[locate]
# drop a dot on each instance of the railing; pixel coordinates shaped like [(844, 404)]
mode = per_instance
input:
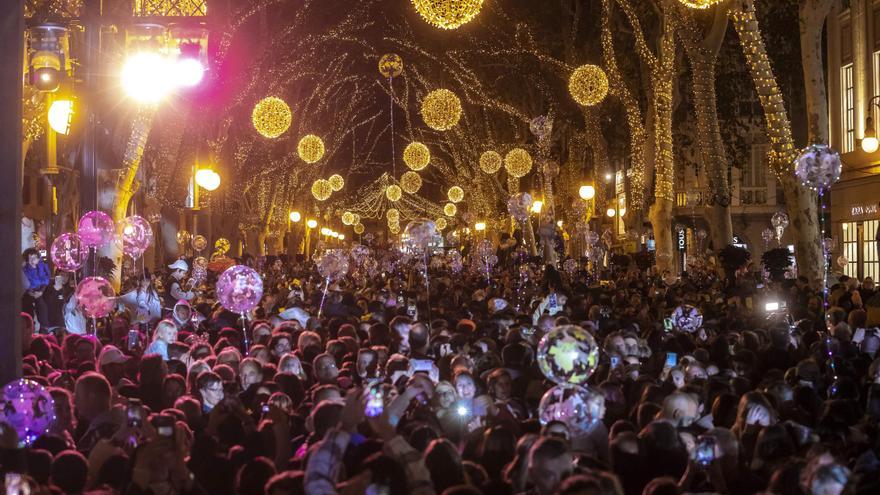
[(753, 196)]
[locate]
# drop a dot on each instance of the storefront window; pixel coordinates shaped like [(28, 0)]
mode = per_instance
[(851, 248), (871, 266)]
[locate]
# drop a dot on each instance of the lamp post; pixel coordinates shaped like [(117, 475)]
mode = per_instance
[(294, 217), (311, 224), (870, 143)]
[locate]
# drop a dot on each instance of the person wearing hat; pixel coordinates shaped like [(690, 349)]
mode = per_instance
[(173, 289), (111, 364)]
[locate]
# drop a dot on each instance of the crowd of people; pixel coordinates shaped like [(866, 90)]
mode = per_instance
[(392, 381)]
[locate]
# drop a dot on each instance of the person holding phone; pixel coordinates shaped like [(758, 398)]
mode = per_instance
[(36, 279)]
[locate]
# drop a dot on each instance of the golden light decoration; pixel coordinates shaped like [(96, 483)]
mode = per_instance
[(455, 194), (359, 228), (700, 4), (321, 189), (410, 182), (348, 218), (390, 65), (441, 109), (448, 14), (416, 155), (392, 215), (490, 162), (450, 209), (588, 85), (336, 182), (393, 192), (518, 162), (394, 229), (356, 218), (271, 117), (440, 223), (310, 148)]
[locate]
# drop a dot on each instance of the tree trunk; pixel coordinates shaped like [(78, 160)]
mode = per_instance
[(812, 15), (664, 171), (800, 201)]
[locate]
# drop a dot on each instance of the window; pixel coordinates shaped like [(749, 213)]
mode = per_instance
[(871, 263), (848, 108), (754, 178), (851, 248)]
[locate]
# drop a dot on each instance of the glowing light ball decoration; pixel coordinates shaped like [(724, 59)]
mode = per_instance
[(455, 194), (579, 408), (68, 252), (420, 232), (199, 243), (321, 190), (136, 235), (441, 110), (568, 355), (96, 229), (441, 223), (28, 408), (416, 155), (239, 288), (390, 65), (519, 205), (336, 182), (359, 229), (700, 4), (348, 218), (588, 85), (450, 209), (392, 215), (221, 245), (394, 229), (518, 162), (490, 162), (95, 297), (448, 14), (310, 148), (687, 318), (410, 182), (333, 265), (393, 192), (271, 117), (818, 167)]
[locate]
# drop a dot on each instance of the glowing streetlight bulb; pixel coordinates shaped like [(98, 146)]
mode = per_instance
[(611, 212), (188, 72), (312, 223), (341, 237), (608, 176), (559, 223), (146, 77), (60, 115), (295, 216), (325, 231), (587, 192), (537, 206), (870, 144), (207, 179), (480, 226)]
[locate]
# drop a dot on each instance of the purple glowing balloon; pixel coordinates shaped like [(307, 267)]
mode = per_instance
[(518, 206), (96, 229), (333, 265), (95, 297), (136, 234), (239, 288), (68, 252), (27, 407)]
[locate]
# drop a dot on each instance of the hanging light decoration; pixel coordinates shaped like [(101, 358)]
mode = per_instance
[(450, 209), (700, 4), (440, 223), (393, 192), (271, 117), (455, 194), (394, 229), (416, 155), (392, 215), (448, 14), (490, 162), (348, 218), (310, 148), (321, 190), (390, 65), (588, 85), (359, 228), (356, 218), (518, 162), (336, 182), (441, 109), (410, 182)]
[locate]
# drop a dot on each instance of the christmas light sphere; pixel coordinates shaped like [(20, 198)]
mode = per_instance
[(440, 223), (455, 194), (588, 85), (448, 14), (199, 242), (568, 355), (221, 245), (818, 167), (271, 117), (490, 162), (390, 65), (321, 190), (394, 229), (410, 182), (416, 155), (348, 218), (336, 182), (450, 209), (441, 110), (393, 192), (392, 215), (579, 408), (310, 148), (518, 162), (700, 4), (359, 229)]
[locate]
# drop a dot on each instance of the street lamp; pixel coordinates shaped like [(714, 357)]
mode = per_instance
[(295, 217), (537, 205), (60, 115), (312, 223), (611, 212), (587, 192), (480, 226), (207, 179)]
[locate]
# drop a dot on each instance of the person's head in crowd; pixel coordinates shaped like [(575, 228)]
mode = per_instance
[(91, 397), (279, 345), (325, 369), (550, 462), (209, 389), (250, 372), (680, 409)]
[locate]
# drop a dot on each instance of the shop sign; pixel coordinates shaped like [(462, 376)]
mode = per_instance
[(868, 209)]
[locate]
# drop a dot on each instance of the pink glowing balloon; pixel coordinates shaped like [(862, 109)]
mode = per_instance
[(239, 288), (95, 297), (96, 229), (68, 252), (136, 234)]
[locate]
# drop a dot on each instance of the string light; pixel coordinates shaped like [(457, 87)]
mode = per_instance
[(490, 162), (700, 4), (441, 109), (588, 85), (518, 162), (416, 155), (310, 148), (393, 192), (321, 190), (450, 209), (410, 182), (336, 182), (271, 117), (455, 194), (448, 14)]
